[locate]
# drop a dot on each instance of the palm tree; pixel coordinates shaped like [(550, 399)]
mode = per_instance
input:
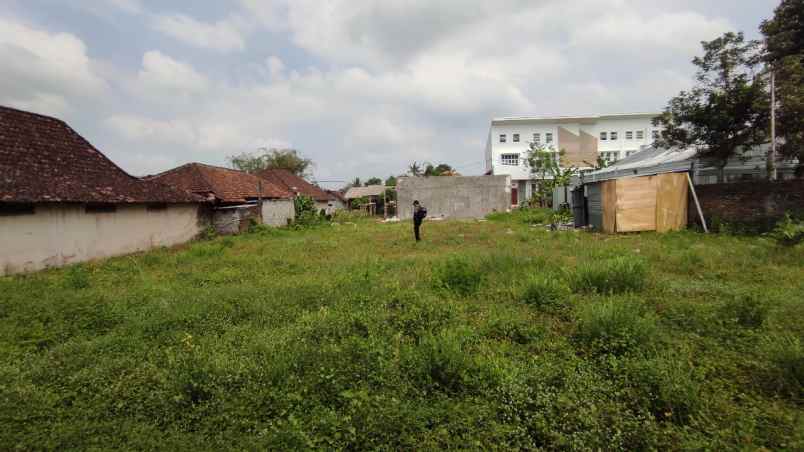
[(415, 169)]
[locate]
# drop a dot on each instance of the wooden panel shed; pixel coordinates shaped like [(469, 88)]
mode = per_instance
[(647, 192)]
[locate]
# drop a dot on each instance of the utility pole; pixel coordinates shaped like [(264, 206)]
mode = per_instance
[(772, 156)]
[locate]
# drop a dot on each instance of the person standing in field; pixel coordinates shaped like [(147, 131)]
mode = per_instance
[(419, 212)]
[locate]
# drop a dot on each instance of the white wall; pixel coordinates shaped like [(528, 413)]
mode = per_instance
[(276, 212), (61, 234)]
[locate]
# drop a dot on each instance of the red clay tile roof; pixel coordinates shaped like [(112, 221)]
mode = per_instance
[(43, 160), (227, 185), (294, 184)]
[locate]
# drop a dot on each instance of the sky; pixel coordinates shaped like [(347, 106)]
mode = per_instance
[(362, 87)]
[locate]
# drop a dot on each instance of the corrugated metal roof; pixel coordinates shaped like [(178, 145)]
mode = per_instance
[(360, 192), (646, 162)]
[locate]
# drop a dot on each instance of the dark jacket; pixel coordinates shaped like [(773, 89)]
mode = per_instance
[(418, 214)]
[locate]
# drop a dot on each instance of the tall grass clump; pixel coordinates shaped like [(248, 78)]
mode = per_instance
[(615, 327), (611, 276), (786, 373), (546, 292), (748, 311), (669, 385), (459, 275), (77, 277)]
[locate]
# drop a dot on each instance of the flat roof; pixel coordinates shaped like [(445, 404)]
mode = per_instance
[(569, 119)]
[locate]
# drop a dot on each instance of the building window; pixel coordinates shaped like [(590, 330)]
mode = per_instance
[(629, 135), (537, 138), (655, 134), (510, 159), (100, 208), (613, 136), (610, 156), (604, 136), (8, 209), (502, 138), (640, 134), (516, 138), (548, 138)]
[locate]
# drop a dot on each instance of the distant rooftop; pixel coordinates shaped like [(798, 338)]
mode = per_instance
[(566, 119)]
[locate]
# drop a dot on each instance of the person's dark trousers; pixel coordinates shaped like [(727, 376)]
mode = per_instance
[(416, 226)]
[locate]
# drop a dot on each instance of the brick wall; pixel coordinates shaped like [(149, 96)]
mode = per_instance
[(755, 205)]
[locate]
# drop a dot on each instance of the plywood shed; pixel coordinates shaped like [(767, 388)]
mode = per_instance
[(647, 192)]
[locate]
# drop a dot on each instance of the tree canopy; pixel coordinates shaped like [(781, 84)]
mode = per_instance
[(727, 108), (784, 39), (288, 159)]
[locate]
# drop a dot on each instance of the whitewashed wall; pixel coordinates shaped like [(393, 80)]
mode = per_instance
[(61, 234)]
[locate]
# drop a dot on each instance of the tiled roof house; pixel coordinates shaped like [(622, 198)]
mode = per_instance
[(223, 185), (294, 184), (63, 201)]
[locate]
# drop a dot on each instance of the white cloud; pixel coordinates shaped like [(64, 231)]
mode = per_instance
[(224, 35), (43, 70), (162, 76)]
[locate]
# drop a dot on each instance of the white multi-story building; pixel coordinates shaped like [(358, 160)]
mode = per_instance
[(582, 138)]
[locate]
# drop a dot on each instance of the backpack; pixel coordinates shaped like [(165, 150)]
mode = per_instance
[(423, 212)]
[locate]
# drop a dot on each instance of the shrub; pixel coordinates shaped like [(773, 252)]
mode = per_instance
[(306, 213), (611, 276), (458, 275), (615, 327), (546, 292), (77, 277), (523, 215), (443, 363), (788, 232)]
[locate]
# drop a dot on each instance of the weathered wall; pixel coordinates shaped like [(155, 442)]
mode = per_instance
[(454, 196), (757, 204), (277, 212), (61, 234), (234, 219)]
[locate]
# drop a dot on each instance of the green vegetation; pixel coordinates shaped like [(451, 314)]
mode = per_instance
[(493, 335)]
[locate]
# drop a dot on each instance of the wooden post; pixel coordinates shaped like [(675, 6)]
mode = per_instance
[(259, 198), (697, 204)]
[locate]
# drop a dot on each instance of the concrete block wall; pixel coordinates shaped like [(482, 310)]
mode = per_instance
[(454, 196)]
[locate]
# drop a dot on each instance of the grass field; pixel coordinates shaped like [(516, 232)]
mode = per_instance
[(491, 335)]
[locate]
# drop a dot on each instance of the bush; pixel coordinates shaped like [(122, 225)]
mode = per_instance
[(547, 293), (443, 363), (788, 232), (611, 276), (458, 275), (615, 327), (523, 215), (306, 213)]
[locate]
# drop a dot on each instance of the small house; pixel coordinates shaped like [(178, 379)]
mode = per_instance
[(298, 186), (62, 201), (238, 198), (374, 196)]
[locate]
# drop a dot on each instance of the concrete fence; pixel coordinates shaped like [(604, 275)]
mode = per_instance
[(454, 196)]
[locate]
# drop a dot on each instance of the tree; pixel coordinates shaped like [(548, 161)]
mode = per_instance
[(288, 159), (391, 181), (728, 107), (415, 169), (545, 166), (441, 169), (784, 39), (373, 181)]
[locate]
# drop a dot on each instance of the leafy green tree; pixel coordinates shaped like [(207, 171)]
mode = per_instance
[(728, 108), (439, 170), (391, 181), (373, 181), (545, 166), (784, 40), (288, 159)]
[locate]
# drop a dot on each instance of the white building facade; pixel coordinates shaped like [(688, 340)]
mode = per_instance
[(582, 138)]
